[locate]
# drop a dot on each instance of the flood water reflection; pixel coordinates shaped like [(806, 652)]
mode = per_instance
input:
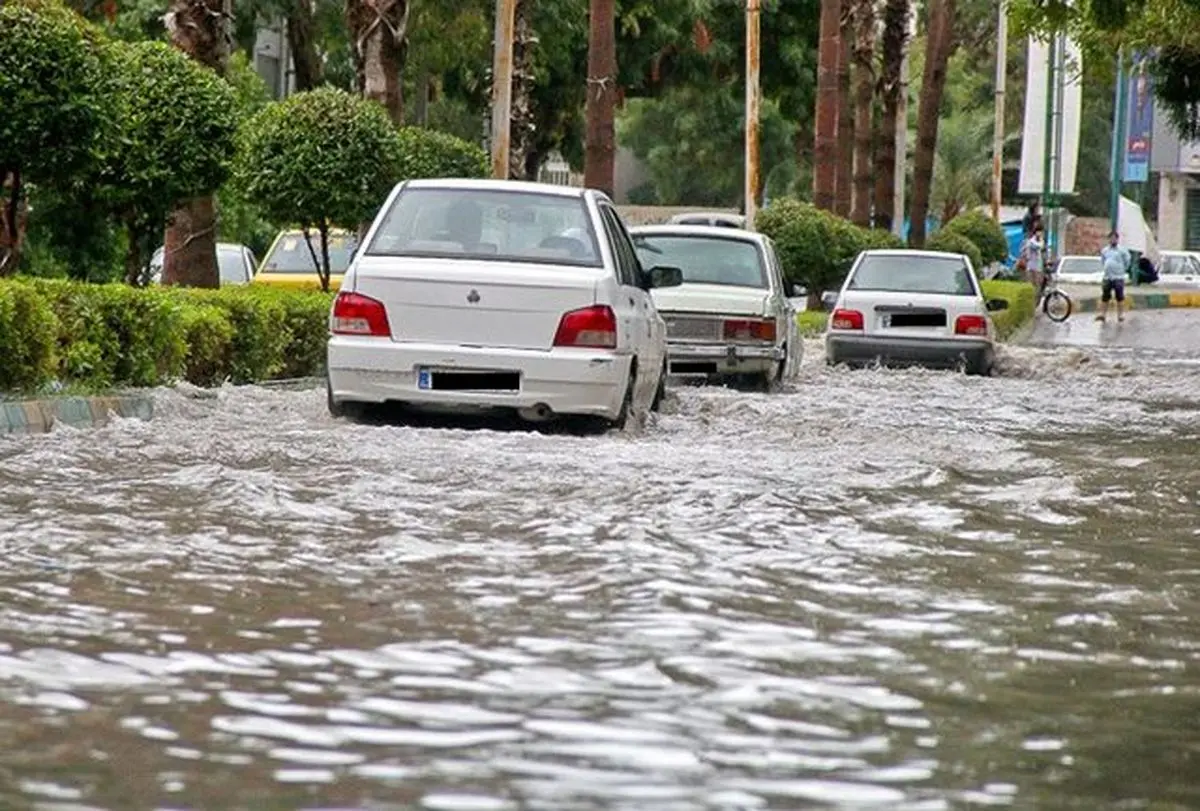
[(897, 589)]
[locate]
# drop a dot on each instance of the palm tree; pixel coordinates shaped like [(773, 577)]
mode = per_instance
[(864, 100), (601, 138), (962, 169), (894, 42), (940, 43), (378, 41), (825, 150), (845, 134)]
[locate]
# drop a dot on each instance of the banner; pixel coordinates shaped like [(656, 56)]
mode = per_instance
[(1069, 89), (1139, 122)]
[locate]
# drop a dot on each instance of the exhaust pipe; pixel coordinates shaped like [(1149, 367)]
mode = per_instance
[(538, 413)]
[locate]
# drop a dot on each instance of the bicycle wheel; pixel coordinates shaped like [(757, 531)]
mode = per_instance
[(1057, 306)]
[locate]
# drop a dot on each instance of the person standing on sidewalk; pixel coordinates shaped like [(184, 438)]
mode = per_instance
[(1116, 260)]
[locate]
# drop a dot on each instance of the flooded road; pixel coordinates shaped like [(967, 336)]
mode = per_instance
[(897, 589)]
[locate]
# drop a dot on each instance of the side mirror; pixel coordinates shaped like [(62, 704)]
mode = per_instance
[(789, 288), (829, 298), (995, 305), (662, 276)]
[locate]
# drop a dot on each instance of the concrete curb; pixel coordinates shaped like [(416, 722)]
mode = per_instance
[(39, 416), (1144, 301)]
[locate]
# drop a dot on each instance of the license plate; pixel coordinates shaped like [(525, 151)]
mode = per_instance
[(424, 378)]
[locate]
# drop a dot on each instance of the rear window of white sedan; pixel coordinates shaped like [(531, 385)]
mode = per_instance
[(705, 260), (495, 225), (947, 276)]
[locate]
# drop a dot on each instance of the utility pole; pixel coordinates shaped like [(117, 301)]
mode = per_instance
[(1116, 170), (998, 126), (502, 77), (1048, 191), (753, 103)]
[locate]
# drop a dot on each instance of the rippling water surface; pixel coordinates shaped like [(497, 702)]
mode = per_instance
[(900, 589)]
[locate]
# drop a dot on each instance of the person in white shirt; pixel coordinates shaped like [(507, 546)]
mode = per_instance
[(1116, 260)]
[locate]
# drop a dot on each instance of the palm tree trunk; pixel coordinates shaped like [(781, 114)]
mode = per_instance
[(895, 36), (845, 135), (825, 149), (302, 42), (933, 82), (523, 131), (600, 142), (201, 29), (864, 99), (379, 42)]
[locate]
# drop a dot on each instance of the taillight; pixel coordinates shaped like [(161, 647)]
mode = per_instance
[(846, 319), (594, 327), (356, 314), (970, 325), (750, 329)]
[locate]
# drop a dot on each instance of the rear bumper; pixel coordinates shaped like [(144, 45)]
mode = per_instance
[(931, 352), (569, 381), (700, 359)]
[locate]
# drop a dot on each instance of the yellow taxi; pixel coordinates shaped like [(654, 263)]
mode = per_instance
[(289, 260)]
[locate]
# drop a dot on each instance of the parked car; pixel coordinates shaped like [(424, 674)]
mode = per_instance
[(291, 261), (902, 307), (1179, 268), (722, 219), (731, 318), (1079, 270), (488, 294), (235, 264)]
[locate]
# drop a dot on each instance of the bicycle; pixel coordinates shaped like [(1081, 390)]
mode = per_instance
[(1056, 304)]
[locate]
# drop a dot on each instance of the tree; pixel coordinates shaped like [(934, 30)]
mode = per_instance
[(379, 41), (940, 43), (962, 162), (895, 40), (52, 106), (844, 188), (198, 28), (523, 125), (320, 159), (825, 151), (864, 100), (176, 123), (600, 150)]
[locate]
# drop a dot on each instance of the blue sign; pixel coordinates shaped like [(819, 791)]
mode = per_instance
[(1139, 123)]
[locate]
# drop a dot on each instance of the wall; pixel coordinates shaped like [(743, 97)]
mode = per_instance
[(1172, 209)]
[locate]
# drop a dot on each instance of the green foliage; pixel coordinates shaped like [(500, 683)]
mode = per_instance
[(100, 336), (71, 235), (1021, 298), (986, 233), (952, 242), (426, 153), (812, 322), (51, 100)]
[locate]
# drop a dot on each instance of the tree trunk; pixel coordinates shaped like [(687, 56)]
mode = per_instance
[(845, 135), (201, 29), (302, 40), (600, 142), (825, 149), (933, 82), (895, 36), (379, 42), (13, 213), (522, 129), (864, 99)]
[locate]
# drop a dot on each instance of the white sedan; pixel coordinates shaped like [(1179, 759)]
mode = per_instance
[(731, 317), (1079, 270), (487, 294), (1179, 268), (905, 307)]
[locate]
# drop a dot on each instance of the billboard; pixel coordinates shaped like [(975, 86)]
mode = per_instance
[(1067, 104), (1139, 122)]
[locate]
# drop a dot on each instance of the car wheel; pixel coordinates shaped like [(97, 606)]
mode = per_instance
[(661, 392), (339, 409)]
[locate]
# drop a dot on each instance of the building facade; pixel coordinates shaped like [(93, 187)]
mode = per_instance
[(1178, 165)]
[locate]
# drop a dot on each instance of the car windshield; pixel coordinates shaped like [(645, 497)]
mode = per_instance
[(1178, 265), (488, 224), (291, 254), (704, 260), (944, 275), (231, 265), (1078, 265)]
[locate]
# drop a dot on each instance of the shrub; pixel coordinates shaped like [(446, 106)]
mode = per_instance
[(986, 233), (306, 320), (28, 330), (951, 242), (208, 333), (428, 153), (1021, 298)]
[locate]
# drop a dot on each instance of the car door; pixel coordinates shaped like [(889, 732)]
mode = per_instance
[(644, 322), (785, 326)]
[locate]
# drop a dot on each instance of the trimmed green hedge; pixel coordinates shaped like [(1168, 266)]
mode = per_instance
[(99, 336)]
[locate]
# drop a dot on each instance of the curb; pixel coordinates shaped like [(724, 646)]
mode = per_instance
[(1146, 301), (40, 416)]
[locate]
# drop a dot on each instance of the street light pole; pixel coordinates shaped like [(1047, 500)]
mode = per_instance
[(502, 76), (753, 104), (998, 126), (1116, 170)]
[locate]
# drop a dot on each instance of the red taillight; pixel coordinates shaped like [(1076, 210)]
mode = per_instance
[(594, 327), (355, 314), (970, 325), (750, 329), (846, 319)]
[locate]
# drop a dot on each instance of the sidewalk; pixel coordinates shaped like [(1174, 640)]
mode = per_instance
[(1139, 297)]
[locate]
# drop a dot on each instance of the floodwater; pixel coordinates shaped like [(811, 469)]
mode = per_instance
[(893, 589)]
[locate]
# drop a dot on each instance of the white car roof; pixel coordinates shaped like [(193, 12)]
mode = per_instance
[(910, 252), (491, 184), (718, 231)]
